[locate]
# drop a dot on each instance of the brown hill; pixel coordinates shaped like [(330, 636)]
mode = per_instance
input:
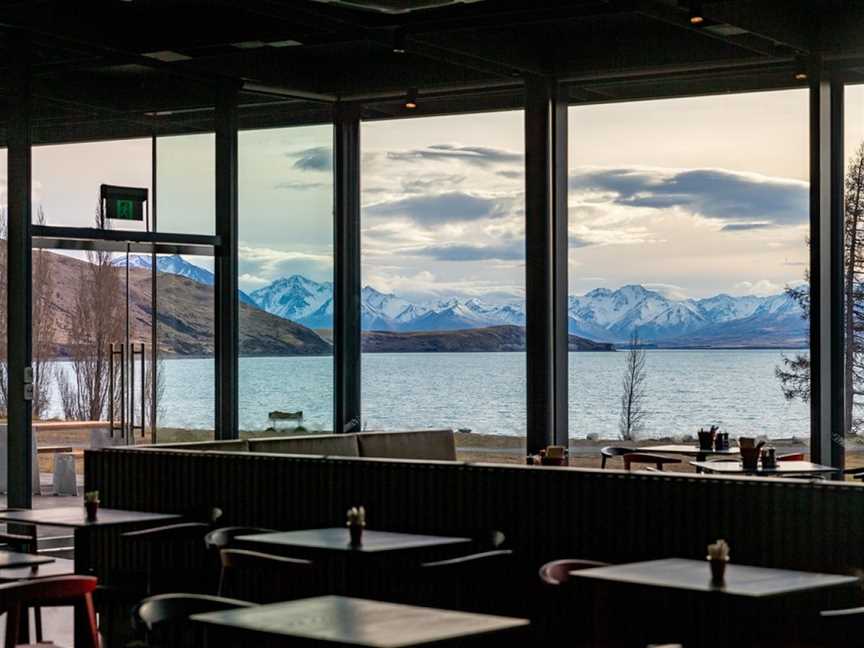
[(184, 314), (492, 338)]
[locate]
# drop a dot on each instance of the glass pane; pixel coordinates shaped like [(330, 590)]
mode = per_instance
[(185, 343), (67, 177), (286, 279), (854, 262), (444, 278), (186, 189), (689, 222)]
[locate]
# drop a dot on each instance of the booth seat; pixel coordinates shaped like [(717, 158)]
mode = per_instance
[(427, 445)]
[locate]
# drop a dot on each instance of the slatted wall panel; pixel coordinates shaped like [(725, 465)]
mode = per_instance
[(546, 513)]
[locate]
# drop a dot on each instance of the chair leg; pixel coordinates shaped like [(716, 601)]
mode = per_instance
[(603, 461), (37, 621), (13, 626)]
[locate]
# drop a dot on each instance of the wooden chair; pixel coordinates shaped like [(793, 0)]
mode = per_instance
[(562, 612), (164, 617), (262, 577), (223, 537), (75, 591), (609, 452), (791, 456), (557, 572), (841, 628), (644, 458), (487, 582), (25, 540), (179, 548)]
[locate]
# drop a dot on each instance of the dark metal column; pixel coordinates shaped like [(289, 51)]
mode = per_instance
[(546, 336), (19, 295), (227, 304), (346, 271), (827, 394)]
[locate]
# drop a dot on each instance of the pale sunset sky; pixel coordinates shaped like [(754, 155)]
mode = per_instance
[(691, 197)]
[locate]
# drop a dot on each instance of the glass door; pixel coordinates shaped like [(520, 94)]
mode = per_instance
[(123, 340)]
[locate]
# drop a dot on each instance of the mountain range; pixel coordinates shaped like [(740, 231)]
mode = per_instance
[(602, 315)]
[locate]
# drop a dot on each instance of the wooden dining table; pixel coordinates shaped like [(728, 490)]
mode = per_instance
[(345, 621), (745, 584), (782, 469), (350, 566)]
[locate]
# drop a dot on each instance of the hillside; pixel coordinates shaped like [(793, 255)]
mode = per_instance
[(184, 315), (493, 338)]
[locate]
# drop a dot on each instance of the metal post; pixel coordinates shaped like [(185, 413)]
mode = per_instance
[(346, 272), (19, 273), (546, 336), (226, 301), (827, 380)]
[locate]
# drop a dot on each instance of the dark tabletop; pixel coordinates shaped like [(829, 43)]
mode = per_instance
[(75, 516), (57, 567), (684, 449), (783, 468), (338, 539), (359, 622), (695, 575), (15, 559)]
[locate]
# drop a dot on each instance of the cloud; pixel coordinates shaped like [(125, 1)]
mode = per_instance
[(465, 252), (670, 291), (319, 158), (577, 242), (302, 186), (511, 175), (433, 209), (481, 156), (745, 199), (431, 182), (743, 227), (762, 287)]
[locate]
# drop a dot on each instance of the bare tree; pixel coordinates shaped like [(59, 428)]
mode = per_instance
[(98, 320), (794, 374), (633, 413), (44, 322)]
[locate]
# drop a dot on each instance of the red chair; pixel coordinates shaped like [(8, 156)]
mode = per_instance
[(557, 572), (792, 456), (74, 591), (643, 458)]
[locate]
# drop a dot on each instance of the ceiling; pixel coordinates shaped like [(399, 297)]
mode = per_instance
[(117, 68)]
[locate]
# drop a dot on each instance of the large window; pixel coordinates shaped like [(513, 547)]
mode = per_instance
[(186, 183), (688, 258), (443, 278), (286, 279), (854, 268)]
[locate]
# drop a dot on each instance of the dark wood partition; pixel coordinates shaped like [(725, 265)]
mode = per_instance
[(546, 512)]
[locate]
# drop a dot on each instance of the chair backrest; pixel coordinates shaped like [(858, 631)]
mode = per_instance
[(224, 537), (263, 577), (791, 456), (165, 617), (76, 591), (644, 458), (176, 608), (557, 572), (169, 534), (484, 582), (166, 546), (612, 451)]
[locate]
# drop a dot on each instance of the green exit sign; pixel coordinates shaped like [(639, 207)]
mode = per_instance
[(123, 203)]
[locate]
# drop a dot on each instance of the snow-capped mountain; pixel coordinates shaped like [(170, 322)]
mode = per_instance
[(176, 265), (602, 315), (299, 299)]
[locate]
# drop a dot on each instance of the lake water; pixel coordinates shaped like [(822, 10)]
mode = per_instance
[(736, 389)]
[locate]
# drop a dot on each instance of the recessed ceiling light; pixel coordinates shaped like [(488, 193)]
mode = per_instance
[(696, 15), (411, 99), (167, 56), (801, 72)]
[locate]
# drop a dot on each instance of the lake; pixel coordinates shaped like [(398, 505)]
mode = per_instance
[(485, 392)]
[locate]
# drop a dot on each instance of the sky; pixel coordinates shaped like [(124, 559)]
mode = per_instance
[(691, 197)]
